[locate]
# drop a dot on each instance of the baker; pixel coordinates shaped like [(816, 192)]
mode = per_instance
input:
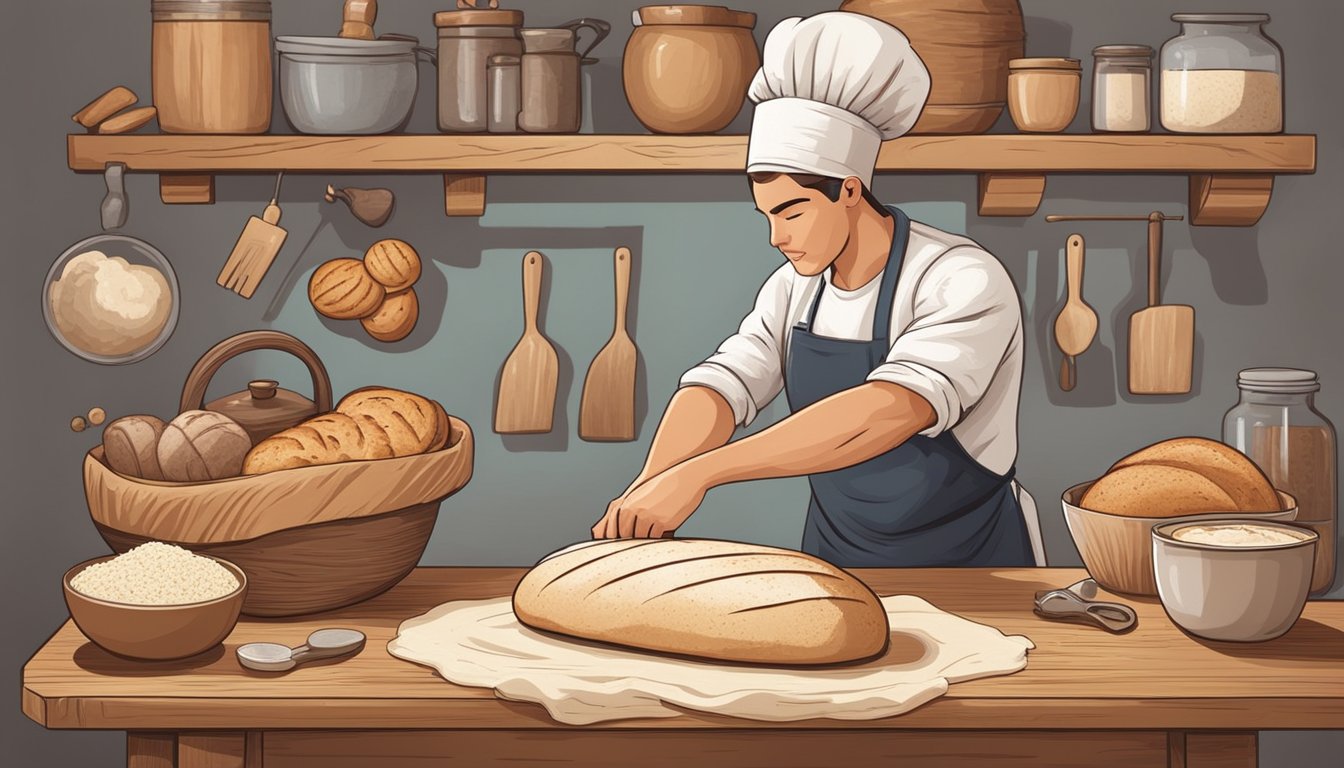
[(897, 345)]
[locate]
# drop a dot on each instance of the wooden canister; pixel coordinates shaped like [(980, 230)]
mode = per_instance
[(687, 67), (212, 65), (966, 46)]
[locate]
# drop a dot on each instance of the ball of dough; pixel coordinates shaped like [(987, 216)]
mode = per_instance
[(131, 446), (394, 263), (107, 306), (396, 319), (343, 289), (202, 445)]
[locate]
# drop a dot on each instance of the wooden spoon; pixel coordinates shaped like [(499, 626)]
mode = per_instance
[(1076, 325)]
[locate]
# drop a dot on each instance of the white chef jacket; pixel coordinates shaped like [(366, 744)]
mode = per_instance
[(956, 331)]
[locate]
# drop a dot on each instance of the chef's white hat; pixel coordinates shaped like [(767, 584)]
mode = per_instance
[(830, 89)]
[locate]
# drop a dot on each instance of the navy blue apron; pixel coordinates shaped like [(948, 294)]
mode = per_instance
[(925, 502)]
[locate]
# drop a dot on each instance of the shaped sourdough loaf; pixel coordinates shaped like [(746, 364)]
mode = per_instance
[(700, 597), (1182, 476), (372, 423)]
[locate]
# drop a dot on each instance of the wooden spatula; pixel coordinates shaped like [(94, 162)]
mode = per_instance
[(1076, 325), (1161, 337), (607, 411), (255, 250), (526, 403)]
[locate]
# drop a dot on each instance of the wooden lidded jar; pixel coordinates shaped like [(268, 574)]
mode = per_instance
[(212, 65), (966, 46), (687, 67)]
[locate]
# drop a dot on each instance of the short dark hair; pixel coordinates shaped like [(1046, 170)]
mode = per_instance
[(826, 185)]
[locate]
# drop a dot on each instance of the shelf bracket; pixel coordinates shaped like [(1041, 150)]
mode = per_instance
[(1229, 200), (464, 194), (186, 188), (1011, 194)]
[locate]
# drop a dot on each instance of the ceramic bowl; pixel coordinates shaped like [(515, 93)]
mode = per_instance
[(1237, 593), (155, 632), (1117, 549)]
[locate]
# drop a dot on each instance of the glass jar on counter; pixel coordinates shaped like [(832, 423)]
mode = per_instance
[(1276, 424), (1121, 84), (1222, 74)]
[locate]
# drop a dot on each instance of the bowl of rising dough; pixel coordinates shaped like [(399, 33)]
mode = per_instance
[(111, 299)]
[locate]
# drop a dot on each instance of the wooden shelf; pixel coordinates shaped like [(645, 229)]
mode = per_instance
[(1231, 177)]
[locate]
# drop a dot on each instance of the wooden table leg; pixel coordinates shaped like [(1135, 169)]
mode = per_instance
[(219, 749), (146, 749), (1213, 749)]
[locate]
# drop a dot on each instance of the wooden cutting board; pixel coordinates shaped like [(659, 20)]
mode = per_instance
[(526, 402), (1161, 337), (607, 411)]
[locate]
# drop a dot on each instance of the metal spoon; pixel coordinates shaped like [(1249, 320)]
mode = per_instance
[(322, 644)]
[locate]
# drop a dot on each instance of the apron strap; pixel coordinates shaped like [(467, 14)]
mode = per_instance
[(900, 239)]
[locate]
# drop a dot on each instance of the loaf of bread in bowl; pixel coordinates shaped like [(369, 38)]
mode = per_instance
[(705, 598), (1182, 476)]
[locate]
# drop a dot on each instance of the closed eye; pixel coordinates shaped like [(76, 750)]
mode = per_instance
[(791, 218)]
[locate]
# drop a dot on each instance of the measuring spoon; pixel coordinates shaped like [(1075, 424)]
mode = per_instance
[(322, 644)]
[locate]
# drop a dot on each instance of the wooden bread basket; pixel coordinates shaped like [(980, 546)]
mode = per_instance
[(309, 539)]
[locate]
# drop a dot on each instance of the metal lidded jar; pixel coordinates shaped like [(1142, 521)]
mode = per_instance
[(1222, 74), (1122, 88), (211, 67), (468, 37), (1276, 424)]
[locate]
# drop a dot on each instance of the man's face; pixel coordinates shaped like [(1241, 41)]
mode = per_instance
[(807, 227)]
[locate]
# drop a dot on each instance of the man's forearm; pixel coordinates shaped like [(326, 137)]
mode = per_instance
[(845, 429), (697, 420)]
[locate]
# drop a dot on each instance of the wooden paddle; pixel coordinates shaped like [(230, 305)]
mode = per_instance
[(607, 411), (526, 403), (1076, 325), (1161, 337)]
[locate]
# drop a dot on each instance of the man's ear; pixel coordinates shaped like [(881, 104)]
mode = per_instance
[(851, 191)]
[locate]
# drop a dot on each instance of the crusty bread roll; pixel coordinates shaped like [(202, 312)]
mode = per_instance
[(202, 445), (700, 597), (394, 263), (395, 319), (372, 423), (343, 289), (1236, 474), (409, 420), (131, 446)]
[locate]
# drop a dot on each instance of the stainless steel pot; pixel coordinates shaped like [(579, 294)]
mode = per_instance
[(335, 85)]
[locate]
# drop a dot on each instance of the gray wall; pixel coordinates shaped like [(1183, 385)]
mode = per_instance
[(1265, 296)]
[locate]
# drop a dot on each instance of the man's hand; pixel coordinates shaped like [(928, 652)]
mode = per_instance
[(653, 508)]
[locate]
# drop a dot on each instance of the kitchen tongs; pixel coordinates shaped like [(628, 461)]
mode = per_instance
[(1077, 603)]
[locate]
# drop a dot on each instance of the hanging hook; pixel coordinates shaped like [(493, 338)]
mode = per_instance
[(116, 207)]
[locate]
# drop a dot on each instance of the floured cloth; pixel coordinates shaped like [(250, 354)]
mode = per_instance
[(481, 643)]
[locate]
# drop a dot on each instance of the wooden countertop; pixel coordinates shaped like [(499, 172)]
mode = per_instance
[(1078, 677)]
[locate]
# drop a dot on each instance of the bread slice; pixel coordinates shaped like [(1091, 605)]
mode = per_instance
[(705, 598), (1156, 490), (1243, 480), (409, 420)]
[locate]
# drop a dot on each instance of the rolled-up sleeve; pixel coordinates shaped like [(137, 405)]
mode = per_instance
[(748, 368), (967, 316)]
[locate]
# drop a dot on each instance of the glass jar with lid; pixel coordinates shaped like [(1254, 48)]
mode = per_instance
[(1222, 74), (1276, 424), (1121, 84)]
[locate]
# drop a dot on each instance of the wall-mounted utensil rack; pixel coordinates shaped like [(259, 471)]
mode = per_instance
[(1231, 177)]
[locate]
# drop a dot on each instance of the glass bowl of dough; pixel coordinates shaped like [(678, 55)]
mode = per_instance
[(111, 299)]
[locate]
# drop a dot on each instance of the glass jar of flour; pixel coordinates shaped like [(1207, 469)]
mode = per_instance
[(1222, 74), (1121, 77), (1276, 424)]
